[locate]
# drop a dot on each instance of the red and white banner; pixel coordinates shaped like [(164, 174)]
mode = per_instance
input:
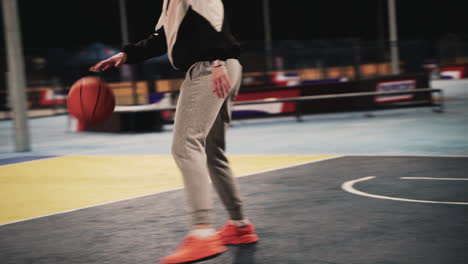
[(454, 72), (394, 86)]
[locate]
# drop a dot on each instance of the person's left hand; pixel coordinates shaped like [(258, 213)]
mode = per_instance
[(220, 81), (115, 61)]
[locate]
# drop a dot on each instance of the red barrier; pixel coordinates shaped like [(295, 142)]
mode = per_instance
[(454, 72)]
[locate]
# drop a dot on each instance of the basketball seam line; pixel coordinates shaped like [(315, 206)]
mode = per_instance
[(97, 99), (81, 100)]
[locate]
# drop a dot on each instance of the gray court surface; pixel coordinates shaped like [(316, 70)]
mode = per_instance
[(302, 215)]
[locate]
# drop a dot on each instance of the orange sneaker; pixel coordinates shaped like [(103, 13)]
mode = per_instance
[(233, 235), (193, 249)]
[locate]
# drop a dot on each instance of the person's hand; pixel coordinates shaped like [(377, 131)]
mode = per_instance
[(220, 80), (114, 61)]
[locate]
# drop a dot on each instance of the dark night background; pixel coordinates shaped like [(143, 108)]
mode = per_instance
[(58, 23), (63, 38), (305, 33)]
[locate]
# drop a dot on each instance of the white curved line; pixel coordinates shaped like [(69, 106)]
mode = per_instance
[(348, 186)]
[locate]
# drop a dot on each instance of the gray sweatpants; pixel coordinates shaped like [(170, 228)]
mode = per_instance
[(198, 145)]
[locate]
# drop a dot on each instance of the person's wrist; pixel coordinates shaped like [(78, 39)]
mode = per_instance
[(123, 56), (217, 63)]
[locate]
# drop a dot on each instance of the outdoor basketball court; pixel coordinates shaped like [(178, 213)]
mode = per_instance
[(312, 209), (399, 196), (360, 187)]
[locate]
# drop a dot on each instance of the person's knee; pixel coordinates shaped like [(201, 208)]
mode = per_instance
[(217, 159), (187, 148), (178, 149), (213, 151)]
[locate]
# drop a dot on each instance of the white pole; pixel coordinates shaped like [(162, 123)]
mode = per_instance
[(16, 75), (268, 38), (393, 37)]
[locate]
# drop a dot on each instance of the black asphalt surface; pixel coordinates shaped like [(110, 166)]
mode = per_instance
[(302, 215)]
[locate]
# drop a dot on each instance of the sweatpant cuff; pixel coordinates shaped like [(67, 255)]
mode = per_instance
[(236, 214), (202, 217)]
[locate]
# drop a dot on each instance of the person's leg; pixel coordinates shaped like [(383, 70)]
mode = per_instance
[(220, 172), (238, 230), (197, 109)]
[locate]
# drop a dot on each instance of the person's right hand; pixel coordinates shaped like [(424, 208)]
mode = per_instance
[(115, 61)]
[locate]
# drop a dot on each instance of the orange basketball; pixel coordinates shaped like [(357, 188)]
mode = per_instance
[(90, 100)]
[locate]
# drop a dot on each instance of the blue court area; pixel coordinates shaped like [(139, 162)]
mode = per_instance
[(417, 131), (365, 187)]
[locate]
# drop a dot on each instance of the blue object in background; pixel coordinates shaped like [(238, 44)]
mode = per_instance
[(155, 97), (92, 53)]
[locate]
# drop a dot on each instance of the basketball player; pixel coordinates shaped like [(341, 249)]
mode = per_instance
[(196, 36)]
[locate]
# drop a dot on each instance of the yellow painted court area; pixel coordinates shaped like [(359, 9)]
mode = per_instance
[(54, 185)]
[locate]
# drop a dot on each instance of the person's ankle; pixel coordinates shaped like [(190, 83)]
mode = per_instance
[(202, 232), (240, 223), (202, 226)]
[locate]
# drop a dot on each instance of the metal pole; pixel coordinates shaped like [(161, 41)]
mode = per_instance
[(16, 75), (123, 21), (126, 71), (381, 51), (268, 38), (393, 37), (357, 58)]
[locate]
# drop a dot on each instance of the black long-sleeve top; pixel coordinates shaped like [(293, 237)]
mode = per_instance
[(196, 40)]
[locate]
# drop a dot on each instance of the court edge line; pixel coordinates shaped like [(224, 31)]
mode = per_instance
[(28, 161), (361, 155), (149, 155), (404, 155), (171, 190), (292, 166), (348, 186), (436, 179)]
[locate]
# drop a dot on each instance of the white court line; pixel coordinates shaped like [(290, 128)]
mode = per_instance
[(403, 155), (437, 179), (381, 155), (348, 186), (292, 166), (170, 190)]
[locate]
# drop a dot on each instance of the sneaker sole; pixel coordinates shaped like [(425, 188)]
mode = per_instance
[(199, 259), (202, 259), (247, 240)]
